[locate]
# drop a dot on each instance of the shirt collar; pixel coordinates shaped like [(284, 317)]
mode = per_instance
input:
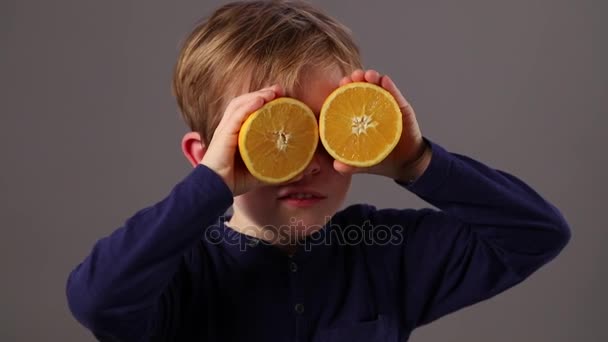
[(317, 246)]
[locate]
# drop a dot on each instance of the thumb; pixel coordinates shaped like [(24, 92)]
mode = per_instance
[(346, 169)]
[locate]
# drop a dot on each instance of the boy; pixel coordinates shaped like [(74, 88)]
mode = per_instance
[(275, 271)]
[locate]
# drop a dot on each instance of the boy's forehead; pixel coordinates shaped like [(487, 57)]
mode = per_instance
[(312, 87), (315, 87)]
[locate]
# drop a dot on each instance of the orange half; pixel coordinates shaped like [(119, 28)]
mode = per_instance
[(278, 140), (360, 124)]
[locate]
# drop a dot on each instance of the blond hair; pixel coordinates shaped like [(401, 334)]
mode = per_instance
[(252, 44)]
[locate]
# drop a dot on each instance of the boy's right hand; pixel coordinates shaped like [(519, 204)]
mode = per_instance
[(221, 153)]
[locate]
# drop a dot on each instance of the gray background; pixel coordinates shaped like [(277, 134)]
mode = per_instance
[(90, 134)]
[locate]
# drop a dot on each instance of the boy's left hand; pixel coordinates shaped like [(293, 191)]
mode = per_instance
[(410, 157)]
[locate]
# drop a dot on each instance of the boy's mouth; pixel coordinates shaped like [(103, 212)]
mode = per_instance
[(294, 194), (300, 196), (301, 200)]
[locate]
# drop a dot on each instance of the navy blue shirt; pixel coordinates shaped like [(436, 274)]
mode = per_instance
[(175, 272)]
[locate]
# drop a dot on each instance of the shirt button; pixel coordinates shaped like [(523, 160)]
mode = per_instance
[(253, 242), (293, 267), (299, 308)]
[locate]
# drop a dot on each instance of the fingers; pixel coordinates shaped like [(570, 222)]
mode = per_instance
[(240, 107), (345, 80), (390, 86), (345, 169), (358, 75), (370, 76), (255, 100)]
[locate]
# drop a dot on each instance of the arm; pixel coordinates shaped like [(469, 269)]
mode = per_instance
[(492, 231), (114, 291)]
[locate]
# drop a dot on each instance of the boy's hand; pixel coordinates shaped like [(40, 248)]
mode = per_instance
[(411, 156), (220, 155)]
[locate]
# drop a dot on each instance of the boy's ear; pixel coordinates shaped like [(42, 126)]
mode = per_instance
[(193, 148)]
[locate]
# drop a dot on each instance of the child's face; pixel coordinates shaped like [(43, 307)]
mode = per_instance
[(264, 206)]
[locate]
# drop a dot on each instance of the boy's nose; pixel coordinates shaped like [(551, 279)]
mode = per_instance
[(312, 168)]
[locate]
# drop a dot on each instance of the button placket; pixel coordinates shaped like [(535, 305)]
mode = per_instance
[(294, 273)]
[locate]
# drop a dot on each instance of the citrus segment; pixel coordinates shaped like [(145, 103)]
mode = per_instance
[(278, 141), (360, 124)]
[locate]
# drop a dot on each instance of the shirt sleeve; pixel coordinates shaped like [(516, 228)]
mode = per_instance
[(114, 291), (490, 233)]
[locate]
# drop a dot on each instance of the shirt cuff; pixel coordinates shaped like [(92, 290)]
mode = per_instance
[(434, 175)]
